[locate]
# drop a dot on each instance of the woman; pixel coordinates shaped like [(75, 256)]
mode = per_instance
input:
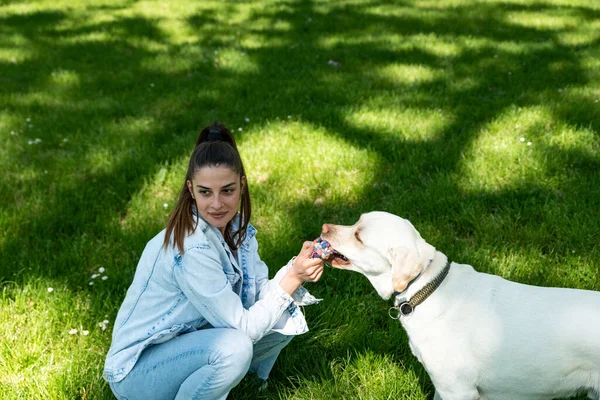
[(201, 311)]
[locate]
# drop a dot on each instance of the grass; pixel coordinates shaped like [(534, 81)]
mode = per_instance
[(477, 120)]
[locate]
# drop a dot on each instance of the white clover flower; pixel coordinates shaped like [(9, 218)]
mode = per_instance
[(240, 129), (247, 119), (65, 140), (28, 119), (289, 116), (522, 139), (166, 205), (95, 276), (37, 140), (13, 132), (50, 290), (73, 331), (85, 333), (30, 142), (528, 143), (101, 269), (104, 277), (103, 324), (91, 283)]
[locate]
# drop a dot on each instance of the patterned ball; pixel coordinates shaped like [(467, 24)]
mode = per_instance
[(321, 249)]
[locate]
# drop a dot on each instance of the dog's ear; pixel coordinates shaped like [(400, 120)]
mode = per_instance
[(408, 263)]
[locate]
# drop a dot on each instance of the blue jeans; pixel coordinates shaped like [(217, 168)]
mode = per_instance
[(204, 364)]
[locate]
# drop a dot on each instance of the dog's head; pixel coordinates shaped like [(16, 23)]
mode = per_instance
[(385, 248)]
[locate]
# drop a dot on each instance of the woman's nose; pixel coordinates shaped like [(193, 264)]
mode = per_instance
[(216, 203)]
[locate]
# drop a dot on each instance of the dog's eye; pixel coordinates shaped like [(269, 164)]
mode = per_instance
[(357, 236)]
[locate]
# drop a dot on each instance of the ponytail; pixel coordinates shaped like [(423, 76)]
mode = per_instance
[(215, 146)]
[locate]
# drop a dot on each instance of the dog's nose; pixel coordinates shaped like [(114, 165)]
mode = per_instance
[(326, 228)]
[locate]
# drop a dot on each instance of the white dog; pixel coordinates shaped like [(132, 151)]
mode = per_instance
[(478, 336)]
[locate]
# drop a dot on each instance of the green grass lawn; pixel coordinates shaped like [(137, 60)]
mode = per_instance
[(477, 120)]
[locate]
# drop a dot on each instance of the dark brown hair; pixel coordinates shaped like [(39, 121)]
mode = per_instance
[(215, 146)]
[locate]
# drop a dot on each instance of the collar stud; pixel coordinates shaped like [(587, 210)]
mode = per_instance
[(405, 308)]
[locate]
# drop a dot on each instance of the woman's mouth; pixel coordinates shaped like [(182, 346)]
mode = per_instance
[(218, 215)]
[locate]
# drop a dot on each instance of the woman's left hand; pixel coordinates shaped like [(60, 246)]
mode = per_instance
[(308, 269), (304, 269)]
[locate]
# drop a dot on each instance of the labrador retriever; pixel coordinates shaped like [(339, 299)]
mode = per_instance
[(478, 336)]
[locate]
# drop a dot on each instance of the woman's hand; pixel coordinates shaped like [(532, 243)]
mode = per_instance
[(304, 269)]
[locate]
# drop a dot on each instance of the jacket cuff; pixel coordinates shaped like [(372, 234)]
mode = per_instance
[(281, 296)]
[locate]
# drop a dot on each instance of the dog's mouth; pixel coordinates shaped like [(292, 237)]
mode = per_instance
[(323, 250)]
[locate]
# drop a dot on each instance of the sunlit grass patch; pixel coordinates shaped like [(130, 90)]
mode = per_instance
[(542, 20), (511, 151), (305, 166), (361, 376), (52, 341), (409, 74), (303, 157), (410, 124)]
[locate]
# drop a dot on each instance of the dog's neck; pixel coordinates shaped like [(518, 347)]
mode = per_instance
[(429, 274)]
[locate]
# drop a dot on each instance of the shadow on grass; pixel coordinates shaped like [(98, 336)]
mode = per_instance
[(121, 79)]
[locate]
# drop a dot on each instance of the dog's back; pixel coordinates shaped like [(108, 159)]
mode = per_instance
[(525, 331)]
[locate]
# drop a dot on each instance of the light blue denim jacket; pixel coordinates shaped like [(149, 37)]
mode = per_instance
[(206, 286)]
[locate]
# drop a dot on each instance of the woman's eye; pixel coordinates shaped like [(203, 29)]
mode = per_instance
[(357, 236), (228, 191), (204, 192)]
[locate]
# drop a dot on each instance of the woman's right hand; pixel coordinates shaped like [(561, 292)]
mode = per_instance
[(303, 269)]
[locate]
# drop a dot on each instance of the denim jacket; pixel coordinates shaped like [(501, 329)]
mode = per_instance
[(206, 286)]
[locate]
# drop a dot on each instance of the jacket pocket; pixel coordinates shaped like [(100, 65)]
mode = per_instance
[(232, 277)]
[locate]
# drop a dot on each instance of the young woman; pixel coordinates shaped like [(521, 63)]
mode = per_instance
[(201, 311)]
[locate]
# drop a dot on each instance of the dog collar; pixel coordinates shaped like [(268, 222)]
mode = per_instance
[(407, 307)]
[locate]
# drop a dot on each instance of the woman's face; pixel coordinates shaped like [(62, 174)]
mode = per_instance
[(217, 192)]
